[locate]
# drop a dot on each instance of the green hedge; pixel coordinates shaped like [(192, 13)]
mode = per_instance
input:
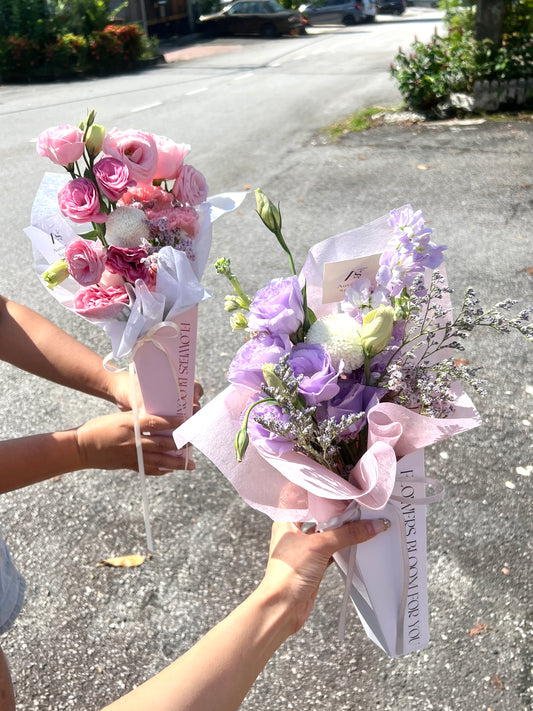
[(115, 48)]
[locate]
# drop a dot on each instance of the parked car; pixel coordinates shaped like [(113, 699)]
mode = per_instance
[(336, 12), (260, 17), (391, 7)]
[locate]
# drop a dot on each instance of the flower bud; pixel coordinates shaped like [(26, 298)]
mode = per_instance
[(268, 212), (271, 379), (94, 140), (241, 443), (56, 273), (223, 267), (238, 322), (232, 303), (376, 330)]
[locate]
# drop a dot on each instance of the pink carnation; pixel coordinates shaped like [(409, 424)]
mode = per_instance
[(190, 187), (85, 261), (62, 144), (184, 219), (147, 197), (127, 262), (136, 149), (113, 177), (79, 201), (170, 157), (97, 303)]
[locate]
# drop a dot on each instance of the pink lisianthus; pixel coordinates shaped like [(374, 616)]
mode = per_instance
[(62, 144), (147, 197), (113, 177), (85, 261), (190, 187), (170, 156), (129, 263), (78, 200), (99, 304), (137, 149)]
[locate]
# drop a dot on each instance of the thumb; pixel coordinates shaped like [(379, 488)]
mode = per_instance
[(351, 534)]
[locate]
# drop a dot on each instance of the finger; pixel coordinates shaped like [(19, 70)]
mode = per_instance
[(159, 464), (351, 534), (198, 391), (151, 423), (158, 443)]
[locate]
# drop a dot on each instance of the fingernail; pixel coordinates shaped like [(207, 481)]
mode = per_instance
[(378, 525)]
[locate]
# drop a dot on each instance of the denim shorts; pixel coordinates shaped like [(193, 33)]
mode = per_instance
[(12, 588)]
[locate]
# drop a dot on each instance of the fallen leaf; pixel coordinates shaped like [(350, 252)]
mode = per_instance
[(505, 571), (246, 187), (526, 185), (478, 629), (124, 561), (529, 271), (421, 166), (362, 157), (497, 682), (461, 361)]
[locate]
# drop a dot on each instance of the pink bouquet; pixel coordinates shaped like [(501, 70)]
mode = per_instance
[(128, 247), (347, 374)]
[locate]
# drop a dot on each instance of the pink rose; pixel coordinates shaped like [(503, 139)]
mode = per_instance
[(62, 144), (79, 201), (170, 156), (85, 261), (190, 187), (136, 149), (127, 262), (113, 177), (97, 303)]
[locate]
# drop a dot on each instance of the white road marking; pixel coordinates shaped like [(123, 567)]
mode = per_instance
[(148, 106)]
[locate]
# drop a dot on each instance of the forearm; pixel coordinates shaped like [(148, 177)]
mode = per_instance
[(27, 460), (32, 343), (219, 670)]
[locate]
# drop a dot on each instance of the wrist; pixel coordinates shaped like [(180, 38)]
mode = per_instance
[(278, 611)]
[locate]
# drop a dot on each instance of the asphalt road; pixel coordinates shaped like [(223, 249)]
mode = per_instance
[(87, 633)]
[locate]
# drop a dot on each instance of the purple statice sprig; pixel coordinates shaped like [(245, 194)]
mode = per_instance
[(415, 373)]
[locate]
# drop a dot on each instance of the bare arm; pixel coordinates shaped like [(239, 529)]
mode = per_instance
[(106, 442), (220, 669), (33, 343)]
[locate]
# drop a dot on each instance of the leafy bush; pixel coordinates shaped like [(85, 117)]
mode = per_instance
[(428, 73)]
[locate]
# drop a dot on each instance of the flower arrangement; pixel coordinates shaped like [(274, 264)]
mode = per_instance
[(136, 228), (347, 373), (122, 189)]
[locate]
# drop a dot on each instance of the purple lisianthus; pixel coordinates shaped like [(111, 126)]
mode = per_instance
[(351, 398), (262, 437), (129, 263), (319, 380), (277, 308), (246, 368)]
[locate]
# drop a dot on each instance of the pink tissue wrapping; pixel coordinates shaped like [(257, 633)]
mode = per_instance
[(165, 363), (294, 488)]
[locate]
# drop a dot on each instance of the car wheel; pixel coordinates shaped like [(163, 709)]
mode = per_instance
[(349, 20), (269, 30)]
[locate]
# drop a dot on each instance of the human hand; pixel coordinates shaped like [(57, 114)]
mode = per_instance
[(297, 562), (120, 388), (108, 442)]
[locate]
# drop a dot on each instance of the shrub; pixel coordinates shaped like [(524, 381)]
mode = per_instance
[(428, 73)]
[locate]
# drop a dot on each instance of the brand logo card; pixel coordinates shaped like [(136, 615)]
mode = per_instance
[(338, 276)]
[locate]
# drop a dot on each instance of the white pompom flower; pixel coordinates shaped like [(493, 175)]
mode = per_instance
[(340, 336), (127, 227)]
